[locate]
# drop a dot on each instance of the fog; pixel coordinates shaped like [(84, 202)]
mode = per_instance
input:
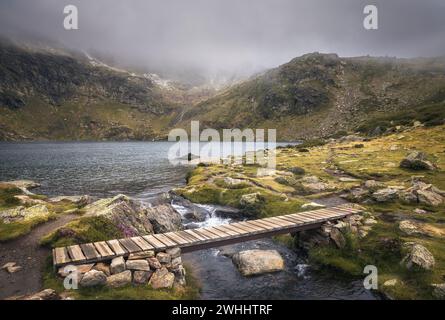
[(229, 36)]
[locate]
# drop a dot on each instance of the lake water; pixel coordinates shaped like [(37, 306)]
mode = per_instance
[(142, 170)]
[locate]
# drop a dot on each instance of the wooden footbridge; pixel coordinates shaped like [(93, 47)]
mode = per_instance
[(200, 238)]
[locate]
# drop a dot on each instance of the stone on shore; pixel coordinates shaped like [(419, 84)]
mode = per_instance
[(47, 294), (254, 262), (119, 279), (312, 206), (78, 200), (164, 218), (93, 278), (385, 195), (338, 238)]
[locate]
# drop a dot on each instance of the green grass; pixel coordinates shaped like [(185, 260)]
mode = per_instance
[(82, 230)]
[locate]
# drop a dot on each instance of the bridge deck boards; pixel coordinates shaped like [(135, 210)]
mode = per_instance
[(200, 238)]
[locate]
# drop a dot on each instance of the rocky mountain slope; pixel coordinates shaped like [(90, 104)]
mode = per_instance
[(55, 94), (318, 95)]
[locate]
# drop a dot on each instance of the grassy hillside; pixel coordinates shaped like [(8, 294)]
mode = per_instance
[(50, 94), (318, 95)]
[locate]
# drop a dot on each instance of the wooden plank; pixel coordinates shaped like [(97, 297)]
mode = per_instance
[(262, 223), (312, 216), (298, 216), (167, 241), (128, 244), (103, 249), (196, 235), (191, 239), (158, 245), (280, 222), (90, 251), (60, 256), (219, 233), (206, 233), (117, 248), (248, 227), (228, 231), (75, 253), (296, 220), (176, 238), (144, 245), (235, 229)]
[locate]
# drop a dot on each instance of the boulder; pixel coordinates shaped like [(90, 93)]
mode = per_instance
[(187, 209), (297, 170), (418, 257), (385, 195), (47, 294), (429, 198), (93, 278), (176, 262), (129, 215), (11, 267), (369, 222), (227, 212), (117, 265), (232, 183), (338, 238), (253, 262), (141, 265), (250, 199), (312, 205), (141, 277), (373, 185), (23, 185), (119, 279), (410, 228), (161, 279), (417, 160), (439, 290), (164, 218), (356, 195)]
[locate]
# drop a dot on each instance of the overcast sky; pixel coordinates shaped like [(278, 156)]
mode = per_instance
[(232, 35)]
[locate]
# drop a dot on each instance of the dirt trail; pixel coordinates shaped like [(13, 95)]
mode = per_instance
[(27, 253)]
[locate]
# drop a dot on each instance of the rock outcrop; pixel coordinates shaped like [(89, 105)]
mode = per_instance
[(417, 160), (418, 257)]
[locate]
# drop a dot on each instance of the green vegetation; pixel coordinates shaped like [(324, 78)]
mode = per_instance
[(129, 292), (377, 159), (82, 230)]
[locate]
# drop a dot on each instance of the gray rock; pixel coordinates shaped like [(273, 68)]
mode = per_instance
[(418, 257), (385, 195), (141, 255), (180, 275), (312, 206), (141, 265), (373, 185), (338, 238), (410, 228), (162, 278), (164, 218), (93, 278), (250, 199), (103, 267), (429, 198), (141, 277), (439, 290), (154, 263), (390, 283), (47, 294), (164, 258), (417, 161), (176, 262), (253, 262), (174, 252), (117, 265), (128, 214), (119, 279), (356, 195)]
